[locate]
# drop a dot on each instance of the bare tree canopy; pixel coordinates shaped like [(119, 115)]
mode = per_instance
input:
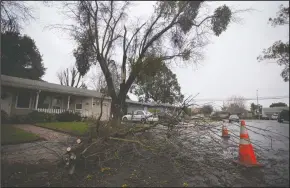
[(14, 14), (175, 31), (235, 105), (70, 77)]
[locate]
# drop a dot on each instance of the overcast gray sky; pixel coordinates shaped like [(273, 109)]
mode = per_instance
[(229, 68)]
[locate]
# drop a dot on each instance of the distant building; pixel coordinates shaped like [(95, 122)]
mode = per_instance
[(195, 110), (275, 110)]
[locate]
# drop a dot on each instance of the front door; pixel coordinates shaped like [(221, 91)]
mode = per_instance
[(6, 101)]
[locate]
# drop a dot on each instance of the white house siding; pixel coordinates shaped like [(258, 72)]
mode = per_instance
[(133, 107), (91, 106), (95, 109)]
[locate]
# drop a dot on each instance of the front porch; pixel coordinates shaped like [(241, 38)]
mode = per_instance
[(21, 96), (55, 103)]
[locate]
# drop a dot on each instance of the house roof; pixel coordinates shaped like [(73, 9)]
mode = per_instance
[(274, 109), (46, 86), (150, 104)]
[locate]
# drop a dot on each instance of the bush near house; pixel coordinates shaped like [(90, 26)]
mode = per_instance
[(40, 117), (68, 117), (154, 111), (4, 117)]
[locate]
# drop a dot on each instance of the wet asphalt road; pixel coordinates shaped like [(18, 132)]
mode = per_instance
[(270, 140)]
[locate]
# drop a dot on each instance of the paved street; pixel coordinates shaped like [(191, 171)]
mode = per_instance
[(271, 140)]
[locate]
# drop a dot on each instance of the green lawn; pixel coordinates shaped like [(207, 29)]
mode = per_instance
[(13, 135), (75, 128)]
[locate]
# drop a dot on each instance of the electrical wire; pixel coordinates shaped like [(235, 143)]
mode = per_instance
[(246, 99)]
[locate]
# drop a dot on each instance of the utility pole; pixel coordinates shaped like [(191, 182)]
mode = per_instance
[(258, 105)]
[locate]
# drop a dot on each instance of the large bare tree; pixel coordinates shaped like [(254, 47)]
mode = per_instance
[(236, 105), (176, 30), (14, 14)]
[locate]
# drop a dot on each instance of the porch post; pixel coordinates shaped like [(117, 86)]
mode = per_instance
[(68, 100), (92, 106), (37, 97)]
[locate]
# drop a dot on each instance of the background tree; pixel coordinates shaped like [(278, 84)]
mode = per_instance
[(279, 51), (20, 57), (235, 105), (101, 27), (98, 81), (278, 104), (254, 108), (157, 83), (72, 76), (206, 109)]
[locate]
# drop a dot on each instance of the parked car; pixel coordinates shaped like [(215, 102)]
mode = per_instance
[(234, 118), (283, 116), (264, 117), (274, 117), (140, 116)]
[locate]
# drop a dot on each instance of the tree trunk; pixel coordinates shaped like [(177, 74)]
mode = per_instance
[(118, 108), (116, 112)]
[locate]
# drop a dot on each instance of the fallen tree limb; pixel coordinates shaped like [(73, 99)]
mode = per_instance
[(133, 141)]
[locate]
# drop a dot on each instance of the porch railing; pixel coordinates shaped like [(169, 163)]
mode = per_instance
[(53, 111), (59, 111)]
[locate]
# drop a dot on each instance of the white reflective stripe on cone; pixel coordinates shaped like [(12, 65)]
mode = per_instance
[(245, 141), (243, 130)]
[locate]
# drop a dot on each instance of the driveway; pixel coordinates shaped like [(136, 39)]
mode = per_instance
[(33, 153)]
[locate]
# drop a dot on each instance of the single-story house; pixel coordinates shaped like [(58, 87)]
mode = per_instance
[(135, 105), (20, 96), (274, 110)]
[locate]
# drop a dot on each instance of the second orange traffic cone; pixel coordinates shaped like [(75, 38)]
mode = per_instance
[(225, 132), (247, 155)]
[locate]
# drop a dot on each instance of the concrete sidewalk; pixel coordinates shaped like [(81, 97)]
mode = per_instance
[(32, 153)]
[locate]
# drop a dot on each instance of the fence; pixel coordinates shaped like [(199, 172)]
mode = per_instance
[(84, 113)]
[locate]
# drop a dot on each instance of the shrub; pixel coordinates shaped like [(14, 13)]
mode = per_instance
[(68, 117), (40, 117), (19, 119), (4, 117)]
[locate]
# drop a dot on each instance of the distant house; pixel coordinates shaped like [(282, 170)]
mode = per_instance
[(195, 110), (20, 96), (135, 105), (275, 110), (220, 114)]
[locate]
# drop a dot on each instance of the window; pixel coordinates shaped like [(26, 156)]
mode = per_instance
[(43, 101), (23, 100), (56, 102), (140, 113), (79, 106)]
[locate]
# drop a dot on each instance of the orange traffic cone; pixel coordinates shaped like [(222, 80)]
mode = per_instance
[(247, 156), (225, 132)]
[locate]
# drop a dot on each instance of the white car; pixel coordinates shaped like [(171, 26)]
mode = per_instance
[(234, 118), (274, 117), (140, 116)]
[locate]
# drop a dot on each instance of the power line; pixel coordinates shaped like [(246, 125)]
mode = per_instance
[(246, 99)]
